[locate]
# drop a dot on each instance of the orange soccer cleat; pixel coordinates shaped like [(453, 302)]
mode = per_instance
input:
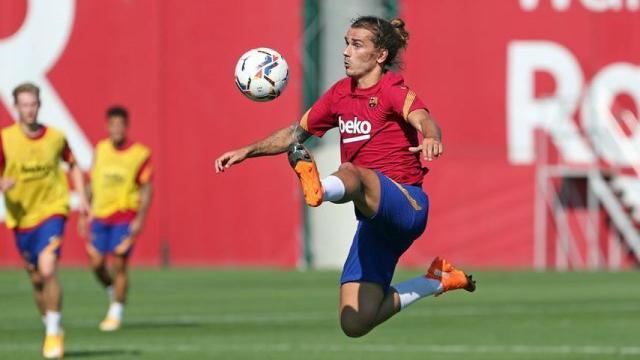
[(450, 277), (302, 163)]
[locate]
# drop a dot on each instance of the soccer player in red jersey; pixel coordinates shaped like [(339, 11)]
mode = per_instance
[(384, 129)]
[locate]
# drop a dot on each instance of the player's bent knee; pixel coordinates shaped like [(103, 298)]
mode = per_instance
[(354, 330), (47, 273), (347, 166), (120, 264), (355, 323), (38, 283), (98, 264)]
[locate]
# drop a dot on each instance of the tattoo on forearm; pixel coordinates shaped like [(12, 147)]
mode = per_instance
[(300, 135), (279, 141)]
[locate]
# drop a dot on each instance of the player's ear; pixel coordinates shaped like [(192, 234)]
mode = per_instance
[(382, 56)]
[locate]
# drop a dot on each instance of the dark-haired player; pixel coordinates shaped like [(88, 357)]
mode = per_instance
[(384, 129), (120, 197)]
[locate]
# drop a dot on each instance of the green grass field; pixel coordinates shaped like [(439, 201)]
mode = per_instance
[(269, 314)]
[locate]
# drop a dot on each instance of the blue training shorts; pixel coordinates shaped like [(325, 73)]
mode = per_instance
[(381, 240), (106, 238), (45, 237)]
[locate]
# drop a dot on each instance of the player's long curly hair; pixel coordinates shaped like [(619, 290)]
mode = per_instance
[(389, 35)]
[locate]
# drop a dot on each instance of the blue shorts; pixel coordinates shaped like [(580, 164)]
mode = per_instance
[(106, 238), (381, 240), (45, 237)]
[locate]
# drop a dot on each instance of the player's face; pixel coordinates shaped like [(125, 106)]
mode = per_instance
[(117, 129), (360, 54), (27, 105)]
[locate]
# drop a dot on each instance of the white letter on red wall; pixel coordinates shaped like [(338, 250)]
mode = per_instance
[(554, 113)]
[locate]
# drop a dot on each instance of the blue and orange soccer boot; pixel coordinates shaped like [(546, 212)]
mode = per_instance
[(53, 347), (302, 163), (450, 277)]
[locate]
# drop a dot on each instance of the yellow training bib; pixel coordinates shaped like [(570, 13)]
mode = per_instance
[(41, 188), (116, 178)]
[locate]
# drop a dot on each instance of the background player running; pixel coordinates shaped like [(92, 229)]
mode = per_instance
[(379, 119), (120, 197), (36, 196)]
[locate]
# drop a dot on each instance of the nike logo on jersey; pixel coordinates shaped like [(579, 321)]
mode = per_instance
[(361, 128)]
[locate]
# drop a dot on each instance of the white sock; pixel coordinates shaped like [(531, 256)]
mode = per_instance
[(333, 188), (415, 289), (109, 290), (52, 322), (115, 310)]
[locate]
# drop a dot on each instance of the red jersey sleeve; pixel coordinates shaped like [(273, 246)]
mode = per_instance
[(67, 155), (145, 173), (320, 118), (404, 101)]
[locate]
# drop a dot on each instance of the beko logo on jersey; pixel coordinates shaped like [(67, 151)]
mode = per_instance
[(354, 127), (30, 172)]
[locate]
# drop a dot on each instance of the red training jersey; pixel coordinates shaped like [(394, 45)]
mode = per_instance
[(374, 131)]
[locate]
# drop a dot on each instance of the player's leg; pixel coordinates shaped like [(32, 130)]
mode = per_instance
[(120, 245), (113, 319), (98, 263), (97, 247), (49, 239), (364, 305), (38, 287), (26, 244), (120, 278), (361, 186), (53, 347), (367, 300), (349, 183), (52, 290)]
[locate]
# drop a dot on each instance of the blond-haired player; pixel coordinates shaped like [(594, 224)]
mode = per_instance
[(36, 195)]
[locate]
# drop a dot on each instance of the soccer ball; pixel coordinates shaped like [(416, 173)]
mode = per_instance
[(262, 74)]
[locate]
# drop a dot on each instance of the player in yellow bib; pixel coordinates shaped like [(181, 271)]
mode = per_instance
[(120, 197), (36, 195)]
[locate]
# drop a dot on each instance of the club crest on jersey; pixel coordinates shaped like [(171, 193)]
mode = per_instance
[(360, 128), (373, 101)]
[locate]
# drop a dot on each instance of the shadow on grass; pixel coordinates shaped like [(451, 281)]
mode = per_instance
[(158, 324), (101, 352)]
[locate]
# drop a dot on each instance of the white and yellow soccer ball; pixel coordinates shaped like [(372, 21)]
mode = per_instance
[(262, 74)]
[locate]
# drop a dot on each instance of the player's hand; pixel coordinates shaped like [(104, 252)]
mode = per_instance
[(6, 184), (431, 148), (230, 158)]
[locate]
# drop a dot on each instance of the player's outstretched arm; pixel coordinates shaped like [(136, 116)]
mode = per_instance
[(431, 146), (274, 144)]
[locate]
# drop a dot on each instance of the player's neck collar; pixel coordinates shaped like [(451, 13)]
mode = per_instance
[(124, 145), (33, 135)]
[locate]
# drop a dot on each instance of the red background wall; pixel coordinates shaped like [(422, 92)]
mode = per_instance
[(481, 204), (172, 65)]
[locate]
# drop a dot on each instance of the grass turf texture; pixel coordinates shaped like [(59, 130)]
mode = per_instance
[(269, 314)]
